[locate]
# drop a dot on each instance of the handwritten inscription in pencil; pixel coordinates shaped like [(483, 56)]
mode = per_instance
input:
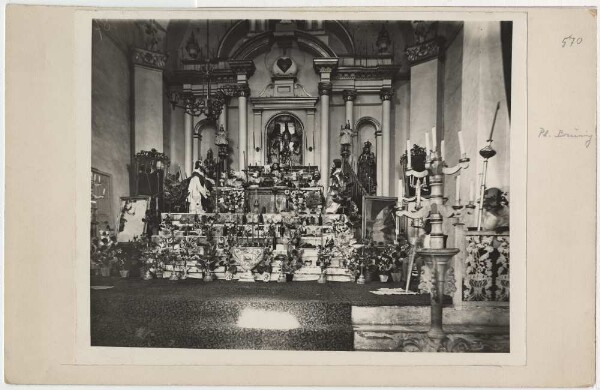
[(567, 134), (571, 41)]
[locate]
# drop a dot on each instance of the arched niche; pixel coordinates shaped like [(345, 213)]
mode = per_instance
[(366, 130), (284, 135)]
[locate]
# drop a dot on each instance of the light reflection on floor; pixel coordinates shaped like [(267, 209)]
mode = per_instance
[(266, 319)]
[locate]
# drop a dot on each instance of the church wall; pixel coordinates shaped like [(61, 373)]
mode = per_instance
[(111, 113), (482, 89)]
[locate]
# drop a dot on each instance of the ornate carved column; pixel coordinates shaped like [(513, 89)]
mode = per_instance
[(325, 66), (188, 134), (379, 156), (147, 94), (349, 97), (258, 151), (243, 69), (325, 93), (386, 97), (243, 94)]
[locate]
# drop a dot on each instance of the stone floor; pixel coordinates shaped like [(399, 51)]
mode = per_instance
[(232, 315)]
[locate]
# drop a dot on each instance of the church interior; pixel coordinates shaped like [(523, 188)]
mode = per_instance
[(301, 184)]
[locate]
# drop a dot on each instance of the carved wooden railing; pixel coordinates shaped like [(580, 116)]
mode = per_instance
[(357, 191)]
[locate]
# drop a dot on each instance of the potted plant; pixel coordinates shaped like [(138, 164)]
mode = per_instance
[(123, 267), (291, 264), (324, 257), (104, 252), (385, 264)]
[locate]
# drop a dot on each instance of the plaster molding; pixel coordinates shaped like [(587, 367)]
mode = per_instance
[(424, 51), (148, 58)]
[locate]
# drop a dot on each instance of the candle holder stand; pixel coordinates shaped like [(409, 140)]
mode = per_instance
[(437, 256)]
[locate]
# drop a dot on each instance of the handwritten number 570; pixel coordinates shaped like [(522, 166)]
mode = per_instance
[(571, 41)]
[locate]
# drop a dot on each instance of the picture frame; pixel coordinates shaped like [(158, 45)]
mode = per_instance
[(378, 220), (132, 217)]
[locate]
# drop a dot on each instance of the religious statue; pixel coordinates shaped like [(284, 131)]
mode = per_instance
[(496, 214), (198, 189), (210, 165), (346, 135), (367, 169), (337, 187), (284, 142)]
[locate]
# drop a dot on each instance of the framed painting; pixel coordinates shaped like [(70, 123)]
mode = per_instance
[(378, 221), (132, 217)]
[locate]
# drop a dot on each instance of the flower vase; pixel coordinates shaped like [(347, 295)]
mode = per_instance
[(124, 273), (289, 277), (209, 276), (361, 278), (383, 278), (174, 276), (322, 277), (147, 275), (105, 271), (397, 277), (281, 278)]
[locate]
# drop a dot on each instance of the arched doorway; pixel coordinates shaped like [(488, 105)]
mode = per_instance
[(285, 135)]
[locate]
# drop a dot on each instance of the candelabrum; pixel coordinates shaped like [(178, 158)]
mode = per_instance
[(434, 210)]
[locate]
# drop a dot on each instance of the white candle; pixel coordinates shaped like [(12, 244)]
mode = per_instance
[(408, 153), (400, 191), (461, 143), (427, 146), (471, 192), (418, 192), (443, 150), (434, 138), (458, 189), (103, 191)]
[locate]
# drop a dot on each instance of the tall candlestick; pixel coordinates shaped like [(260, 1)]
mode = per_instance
[(461, 144), (457, 189), (471, 192), (443, 150), (427, 146), (400, 192), (434, 138), (408, 156)]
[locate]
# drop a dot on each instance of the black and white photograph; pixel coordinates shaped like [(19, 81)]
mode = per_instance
[(302, 185)]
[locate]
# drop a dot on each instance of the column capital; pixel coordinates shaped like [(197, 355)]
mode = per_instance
[(325, 65), (325, 88), (148, 58), (386, 94), (243, 90), (242, 67), (349, 95)]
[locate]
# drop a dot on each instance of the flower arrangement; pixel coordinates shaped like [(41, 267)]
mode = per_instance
[(232, 201), (325, 254), (104, 251)]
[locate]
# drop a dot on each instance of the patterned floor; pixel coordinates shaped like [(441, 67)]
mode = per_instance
[(231, 315)]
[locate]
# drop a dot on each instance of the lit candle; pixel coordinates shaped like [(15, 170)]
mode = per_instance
[(434, 138), (427, 146), (408, 153), (461, 143), (471, 192), (443, 150), (458, 189)]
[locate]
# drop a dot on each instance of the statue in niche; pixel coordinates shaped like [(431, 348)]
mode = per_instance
[(210, 164), (367, 169), (284, 141)]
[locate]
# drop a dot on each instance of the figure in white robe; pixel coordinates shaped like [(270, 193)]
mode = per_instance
[(197, 190)]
